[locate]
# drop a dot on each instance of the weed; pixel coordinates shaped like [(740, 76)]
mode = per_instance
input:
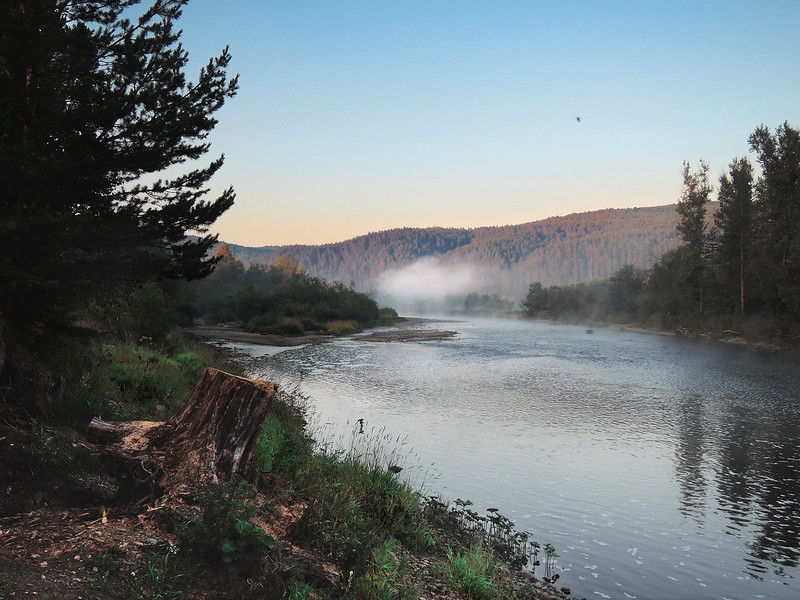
[(283, 445), (191, 361), (54, 452), (162, 579), (126, 380), (105, 563), (222, 530), (549, 563), (461, 524), (472, 572), (359, 503), (11, 588), (246, 534), (300, 590), (383, 579)]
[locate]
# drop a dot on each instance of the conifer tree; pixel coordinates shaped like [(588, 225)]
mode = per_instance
[(733, 224), (778, 207), (94, 107), (692, 209)]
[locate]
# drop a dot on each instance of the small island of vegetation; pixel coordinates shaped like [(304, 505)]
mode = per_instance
[(281, 299)]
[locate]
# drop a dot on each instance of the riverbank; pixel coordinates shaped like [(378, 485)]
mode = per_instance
[(68, 530), (762, 341), (411, 329), (234, 333)]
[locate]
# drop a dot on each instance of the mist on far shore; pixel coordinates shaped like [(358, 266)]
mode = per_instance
[(427, 286)]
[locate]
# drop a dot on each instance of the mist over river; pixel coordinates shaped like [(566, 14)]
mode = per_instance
[(658, 467)]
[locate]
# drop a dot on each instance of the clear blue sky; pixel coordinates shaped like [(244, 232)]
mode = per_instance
[(362, 116)]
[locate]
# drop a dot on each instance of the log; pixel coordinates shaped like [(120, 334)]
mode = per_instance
[(214, 436), (104, 431)]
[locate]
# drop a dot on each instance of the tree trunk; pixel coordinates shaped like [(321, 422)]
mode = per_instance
[(211, 439)]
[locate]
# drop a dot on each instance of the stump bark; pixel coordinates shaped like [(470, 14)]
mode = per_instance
[(214, 436), (211, 439)]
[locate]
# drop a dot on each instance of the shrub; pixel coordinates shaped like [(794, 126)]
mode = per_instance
[(387, 313), (341, 327), (270, 324), (222, 529)]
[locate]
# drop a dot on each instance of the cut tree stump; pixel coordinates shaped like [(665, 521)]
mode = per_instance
[(211, 439), (214, 436)]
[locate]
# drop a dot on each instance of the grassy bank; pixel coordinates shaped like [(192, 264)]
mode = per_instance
[(323, 521)]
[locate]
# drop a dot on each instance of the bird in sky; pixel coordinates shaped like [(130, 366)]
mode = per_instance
[(578, 119)]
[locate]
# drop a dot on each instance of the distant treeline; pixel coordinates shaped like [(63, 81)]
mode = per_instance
[(281, 298), (558, 250), (742, 271)]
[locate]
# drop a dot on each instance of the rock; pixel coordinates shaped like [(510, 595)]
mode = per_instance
[(565, 590)]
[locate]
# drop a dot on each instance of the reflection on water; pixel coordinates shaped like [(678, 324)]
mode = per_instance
[(658, 467)]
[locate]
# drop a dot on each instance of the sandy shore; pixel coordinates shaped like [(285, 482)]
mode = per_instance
[(408, 331), (237, 334)]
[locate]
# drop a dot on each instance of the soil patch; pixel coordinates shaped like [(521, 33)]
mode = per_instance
[(237, 334)]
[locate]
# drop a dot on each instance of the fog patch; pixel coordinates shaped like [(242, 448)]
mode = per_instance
[(426, 286)]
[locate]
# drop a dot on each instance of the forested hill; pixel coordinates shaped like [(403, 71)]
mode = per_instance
[(556, 251)]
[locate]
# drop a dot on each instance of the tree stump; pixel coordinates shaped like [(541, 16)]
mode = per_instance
[(214, 436), (211, 439)]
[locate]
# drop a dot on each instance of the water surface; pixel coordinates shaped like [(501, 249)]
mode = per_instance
[(658, 467)]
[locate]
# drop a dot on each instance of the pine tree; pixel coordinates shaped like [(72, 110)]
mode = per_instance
[(93, 107), (691, 210), (733, 224), (778, 206)]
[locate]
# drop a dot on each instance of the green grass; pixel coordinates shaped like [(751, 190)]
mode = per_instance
[(126, 381), (367, 520), (300, 590), (162, 579), (473, 572), (359, 514), (384, 578)]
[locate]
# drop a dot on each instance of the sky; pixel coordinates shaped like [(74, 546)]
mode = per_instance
[(354, 117)]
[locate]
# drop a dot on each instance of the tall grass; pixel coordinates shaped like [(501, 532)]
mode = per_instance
[(472, 572), (359, 512), (125, 380), (365, 515)]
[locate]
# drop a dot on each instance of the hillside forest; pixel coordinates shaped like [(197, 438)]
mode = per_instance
[(738, 272), (556, 251)]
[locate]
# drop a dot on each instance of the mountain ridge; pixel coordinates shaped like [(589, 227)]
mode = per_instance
[(507, 258)]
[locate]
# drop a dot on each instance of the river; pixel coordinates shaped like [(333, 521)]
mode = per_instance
[(659, 467)]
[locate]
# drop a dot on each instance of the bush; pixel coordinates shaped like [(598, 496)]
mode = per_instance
[(342, 327), (270, 324), (222, 530), (388, 314)]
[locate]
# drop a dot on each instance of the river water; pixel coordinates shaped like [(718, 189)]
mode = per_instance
[(658, 467)]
